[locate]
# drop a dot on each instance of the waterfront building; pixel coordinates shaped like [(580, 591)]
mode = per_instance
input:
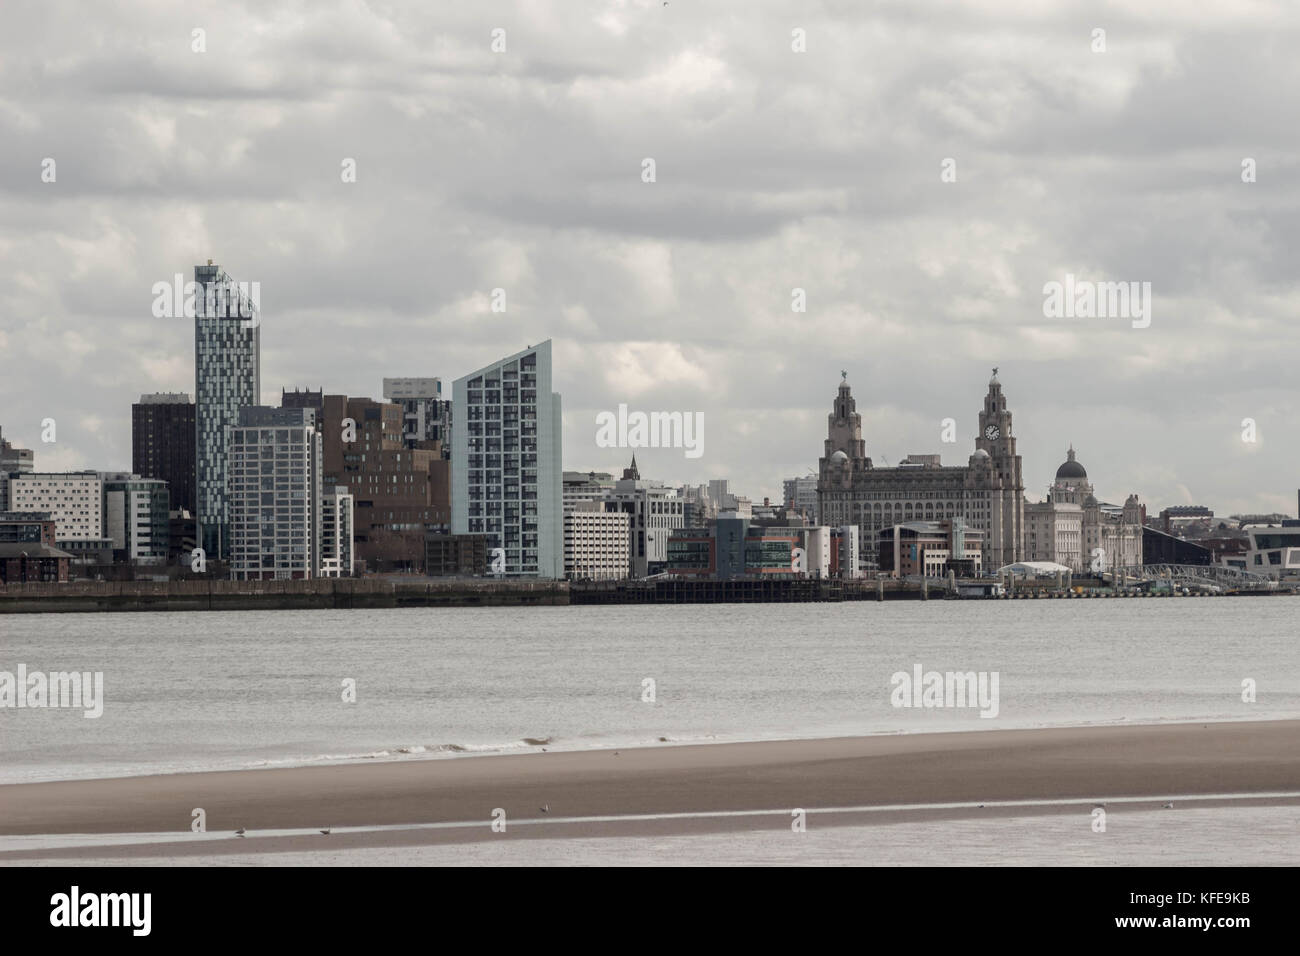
[(583, 486), (336, 532), (182, 536), (1072, 528), (771, 552), (162, 444), (227, 377), (456, 555), (698, 509), (932, 549), (399, 494), (819, 547), (692, 552), (75, 500), (597, 542), (506, 468), (1274, 550), (38, 563), (731, 548), (801, 496), (29, 527), (654, 512), (13, 460), (1158, 547), (988, 491), (275, 494), (849, 558), (136, 518)]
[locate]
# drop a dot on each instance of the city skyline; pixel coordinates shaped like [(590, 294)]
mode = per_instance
[(677, 294), (649, 432), (950, 451)]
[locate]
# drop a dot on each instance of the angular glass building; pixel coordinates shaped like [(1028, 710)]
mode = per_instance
[(227, 377), (506, 478)]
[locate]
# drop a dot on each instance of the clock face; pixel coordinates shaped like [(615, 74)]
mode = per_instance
[(992, 432)]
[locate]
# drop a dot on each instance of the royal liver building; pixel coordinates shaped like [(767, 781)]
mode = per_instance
[(988, 491)]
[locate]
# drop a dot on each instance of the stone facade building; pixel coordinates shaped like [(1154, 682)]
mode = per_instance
[(988, 491), (1073, 528)]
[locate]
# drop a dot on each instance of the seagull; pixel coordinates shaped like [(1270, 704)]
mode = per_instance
[(326, 831), (1167, 806), (239, 832), (545, 809)]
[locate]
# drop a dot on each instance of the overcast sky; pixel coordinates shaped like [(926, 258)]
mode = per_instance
[(775, 169)]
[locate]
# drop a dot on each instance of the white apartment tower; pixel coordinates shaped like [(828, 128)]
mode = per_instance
[(506, 478), (275, 494)]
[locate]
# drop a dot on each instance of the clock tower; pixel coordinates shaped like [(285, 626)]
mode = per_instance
[(995, 425), (1004, 493)]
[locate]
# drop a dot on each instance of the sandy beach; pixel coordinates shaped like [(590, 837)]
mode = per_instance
[(670, 790)]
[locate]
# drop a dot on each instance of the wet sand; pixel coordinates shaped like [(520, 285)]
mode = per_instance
[(452, 800)]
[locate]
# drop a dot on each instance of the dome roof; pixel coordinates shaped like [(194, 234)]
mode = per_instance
[(980, 453), (839, 456), (1071, 468)]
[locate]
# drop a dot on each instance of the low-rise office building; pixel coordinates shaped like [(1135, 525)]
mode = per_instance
[(932, 549), (74, 499), (1274, 550), (596, 542), (27, 527), (456, 555)]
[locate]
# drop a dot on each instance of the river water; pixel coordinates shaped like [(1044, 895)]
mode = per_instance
[(225, 690)]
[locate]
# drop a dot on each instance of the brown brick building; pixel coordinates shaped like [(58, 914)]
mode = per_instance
[(399, 493), (26, 562)]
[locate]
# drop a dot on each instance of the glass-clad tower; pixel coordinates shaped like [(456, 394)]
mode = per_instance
[(227, 377)]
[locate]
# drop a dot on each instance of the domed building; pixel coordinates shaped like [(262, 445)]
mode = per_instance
[(1071, 527), (1071, 470)]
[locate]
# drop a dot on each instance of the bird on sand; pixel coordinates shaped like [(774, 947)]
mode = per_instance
[(545, 809), (239, 832), (326, 831), (1167, 806)]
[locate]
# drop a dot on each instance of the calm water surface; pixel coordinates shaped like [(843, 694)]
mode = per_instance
[(188, 691)]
